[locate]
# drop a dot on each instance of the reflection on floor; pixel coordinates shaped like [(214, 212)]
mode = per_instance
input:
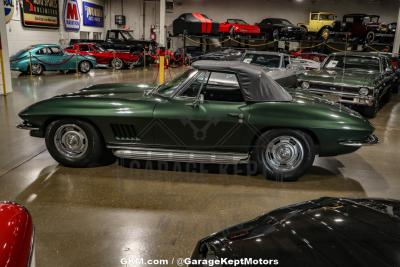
[(94, 217)]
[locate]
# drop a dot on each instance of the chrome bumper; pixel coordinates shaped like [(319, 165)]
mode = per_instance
[(369, 141), (345, 98), (26, 126)]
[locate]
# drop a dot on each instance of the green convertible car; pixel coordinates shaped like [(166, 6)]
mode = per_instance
[(216, 112)]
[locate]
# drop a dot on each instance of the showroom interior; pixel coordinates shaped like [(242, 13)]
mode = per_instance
[(138, 132)]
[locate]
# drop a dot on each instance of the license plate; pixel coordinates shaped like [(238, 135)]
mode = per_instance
[(333, 98)]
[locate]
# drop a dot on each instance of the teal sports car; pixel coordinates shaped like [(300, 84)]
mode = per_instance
[(49, 57)]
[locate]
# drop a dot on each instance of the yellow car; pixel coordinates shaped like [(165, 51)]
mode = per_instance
[(320, 23)]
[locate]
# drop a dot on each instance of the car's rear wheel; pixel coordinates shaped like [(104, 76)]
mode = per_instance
[(84, 66), (117, 64), (325, 33), (37, 69), (284, 154), (75, 143)]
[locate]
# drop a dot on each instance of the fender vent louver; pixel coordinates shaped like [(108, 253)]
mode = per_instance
[(123, 131)]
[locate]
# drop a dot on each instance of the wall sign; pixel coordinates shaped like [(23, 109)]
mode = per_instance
[(9, 9), (40, 14), (72, 18), (93, 15), (120, 20)]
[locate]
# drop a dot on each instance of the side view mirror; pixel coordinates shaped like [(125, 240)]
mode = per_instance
[(200, 100)]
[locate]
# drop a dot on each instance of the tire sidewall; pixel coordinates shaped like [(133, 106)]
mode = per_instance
[(271, 174), (89, 158), (80, 66)]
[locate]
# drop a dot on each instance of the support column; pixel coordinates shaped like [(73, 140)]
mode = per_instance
[(396, 45), (161, 42), (5, 66)]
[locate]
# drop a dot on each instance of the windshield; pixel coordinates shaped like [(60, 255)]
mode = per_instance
[(269, 61), (127, 35), (237, 21), (169, 88), (284, 22), (99, 48), (352, 62)]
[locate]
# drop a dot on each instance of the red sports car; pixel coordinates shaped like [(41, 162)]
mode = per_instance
[(238, 27), (106, 58), (16, 236)]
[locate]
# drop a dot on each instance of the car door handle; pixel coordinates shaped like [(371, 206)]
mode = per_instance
[(236, 115)]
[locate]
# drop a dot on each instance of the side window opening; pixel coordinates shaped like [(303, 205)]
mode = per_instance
[(223, 87)]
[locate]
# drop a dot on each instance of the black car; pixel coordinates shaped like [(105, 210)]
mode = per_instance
[(276, 28), (195, 24), (225, 54), (323, 232)]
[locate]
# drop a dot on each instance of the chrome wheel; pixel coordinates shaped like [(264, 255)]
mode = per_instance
[(284, 154), (117, 63), (71, 141), (84, 66), (275, 34), (37, 69), (325, 34)]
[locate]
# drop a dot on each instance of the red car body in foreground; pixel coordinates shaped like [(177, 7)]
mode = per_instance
[(16, 236), (105, 58), (238, 26)]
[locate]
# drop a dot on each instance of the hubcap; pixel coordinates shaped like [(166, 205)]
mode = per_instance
[(71, 141), (85, 66), (36, 68), (325, 34), (284, 153), (117, 63)]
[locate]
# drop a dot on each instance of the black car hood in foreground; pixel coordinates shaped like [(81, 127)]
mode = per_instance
[(323, 232)]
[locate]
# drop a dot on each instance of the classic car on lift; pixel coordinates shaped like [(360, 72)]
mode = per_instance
[(16, 236), (224, 112), (238, 27), (362, 27), (281, 29), (326, 232), (320, 23), (49, 57), (285, 71), (195, 24), (357, 79), (106, 58)]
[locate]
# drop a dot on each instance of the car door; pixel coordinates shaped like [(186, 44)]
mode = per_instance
[(218, 123), (56, 58)]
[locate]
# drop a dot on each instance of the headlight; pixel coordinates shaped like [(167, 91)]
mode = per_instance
[(305, 85), (363, 91)]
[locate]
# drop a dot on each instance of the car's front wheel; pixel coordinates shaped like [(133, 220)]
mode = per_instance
[(284, 154), (117, 64), (75, 143), (84, 66)]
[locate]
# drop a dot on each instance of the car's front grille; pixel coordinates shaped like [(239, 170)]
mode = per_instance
[(334, 88), (124, 131)]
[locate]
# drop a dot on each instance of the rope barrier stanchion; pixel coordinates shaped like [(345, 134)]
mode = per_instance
[(76, 65), (161, 77), (30, 64), (144, 59)]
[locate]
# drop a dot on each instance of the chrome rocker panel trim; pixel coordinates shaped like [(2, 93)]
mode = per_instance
[(369, 141), (27, 126), (194, 156)]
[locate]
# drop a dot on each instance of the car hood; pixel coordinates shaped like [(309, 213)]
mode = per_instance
[(349, 77), (129, 91), (323, 232)]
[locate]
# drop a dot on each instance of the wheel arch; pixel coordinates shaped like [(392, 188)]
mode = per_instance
[(52, 119), (313, 136)]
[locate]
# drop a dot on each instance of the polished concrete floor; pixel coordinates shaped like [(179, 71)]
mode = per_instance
[(95, 217)]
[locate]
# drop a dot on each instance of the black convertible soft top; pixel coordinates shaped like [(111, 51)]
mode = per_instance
[(256, 84)]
